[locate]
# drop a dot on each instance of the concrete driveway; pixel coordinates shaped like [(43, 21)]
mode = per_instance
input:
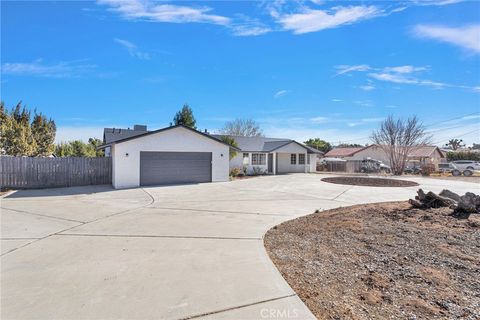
[(177, 252)]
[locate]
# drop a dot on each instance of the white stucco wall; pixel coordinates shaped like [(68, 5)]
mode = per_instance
[(237, 162), (126, 169)]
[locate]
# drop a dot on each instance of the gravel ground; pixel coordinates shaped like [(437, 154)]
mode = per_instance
[(381, 261)]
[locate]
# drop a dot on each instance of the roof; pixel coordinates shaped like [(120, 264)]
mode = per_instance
[(161, 130), (342, 152), (263, 144), (114, 134), (425, 152)]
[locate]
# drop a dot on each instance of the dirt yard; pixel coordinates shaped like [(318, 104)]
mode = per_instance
[(381, 261)]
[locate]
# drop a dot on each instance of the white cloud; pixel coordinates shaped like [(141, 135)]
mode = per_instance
[(249, 30), (337, 100), (364, 103), (343, 69), (69, 69), (319, 119), (280, 93), (311, 20), (132, 49), (466, 37), (436, 2), (161, 12), (405, 74), (367, 87)]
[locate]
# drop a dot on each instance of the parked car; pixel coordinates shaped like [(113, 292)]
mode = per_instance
[(446, 167), (467, 165), (374, 166), (413, 170)]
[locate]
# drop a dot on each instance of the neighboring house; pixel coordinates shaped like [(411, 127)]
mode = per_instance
[(113, 134), (171, 155), (272, 155), (422, 155)]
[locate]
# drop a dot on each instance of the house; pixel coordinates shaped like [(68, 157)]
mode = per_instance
[(178, 154), (421, 155), (171, 155), (272, 155), (113, 134)]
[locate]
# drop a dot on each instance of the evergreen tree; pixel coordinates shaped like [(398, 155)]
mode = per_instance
[(43, 131), (20, 138), (185, 117)]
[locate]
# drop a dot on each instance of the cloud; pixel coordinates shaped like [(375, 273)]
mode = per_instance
[(68, 69), (132, 49), (436, 2), (364, 103), (249, 30), (311, 20), (280, 93), (319, 119), (337, 100), (162, 12), (343, 69), (466, 37), (405, 74), (368, 87)]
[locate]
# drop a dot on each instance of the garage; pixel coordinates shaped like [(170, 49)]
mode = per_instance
[(172, 155), (157, 168)]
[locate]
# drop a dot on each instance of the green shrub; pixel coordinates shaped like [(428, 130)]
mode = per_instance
[(463, 155), (257, 171)]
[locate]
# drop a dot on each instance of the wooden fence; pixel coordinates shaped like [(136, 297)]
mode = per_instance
[(26, 173)]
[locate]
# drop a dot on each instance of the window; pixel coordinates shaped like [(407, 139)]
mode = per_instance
[(246, 158), (301, 158), (293, 158), (259, 159), (308, 159)]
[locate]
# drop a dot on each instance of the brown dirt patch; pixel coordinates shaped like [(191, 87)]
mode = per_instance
[(370, 182), (381, 261)]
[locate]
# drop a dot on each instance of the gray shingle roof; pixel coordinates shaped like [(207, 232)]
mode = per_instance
[(114, 134), (262, 144)]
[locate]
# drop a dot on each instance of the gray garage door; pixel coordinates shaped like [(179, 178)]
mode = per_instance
[(175, 167)]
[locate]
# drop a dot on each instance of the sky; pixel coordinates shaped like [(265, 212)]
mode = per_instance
[(301, 69)]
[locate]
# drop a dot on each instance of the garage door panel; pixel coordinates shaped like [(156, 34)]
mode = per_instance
[(175, 167)]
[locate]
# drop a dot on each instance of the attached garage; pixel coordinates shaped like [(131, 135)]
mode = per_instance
[(174, 167), (173, 155)]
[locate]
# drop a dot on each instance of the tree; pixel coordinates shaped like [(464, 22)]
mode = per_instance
[(95, 143), (185, 117), (349, 145), (455, 144), (398, 138), (319, 144), (230, 141), (78, 148), (242, 128), (43, 131)]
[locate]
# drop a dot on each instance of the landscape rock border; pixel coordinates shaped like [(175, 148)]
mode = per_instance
[(370, 181)]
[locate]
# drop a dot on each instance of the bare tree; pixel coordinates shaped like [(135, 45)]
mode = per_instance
[(242, 127), (398, 138)]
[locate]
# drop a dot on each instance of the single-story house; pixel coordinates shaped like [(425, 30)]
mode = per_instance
[(179, 154), (421, 155), (273, 155), (171, 155)]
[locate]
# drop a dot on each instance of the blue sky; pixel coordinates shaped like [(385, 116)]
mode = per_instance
[(301, 69)]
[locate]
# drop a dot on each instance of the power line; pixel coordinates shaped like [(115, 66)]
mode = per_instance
[(459, 136)]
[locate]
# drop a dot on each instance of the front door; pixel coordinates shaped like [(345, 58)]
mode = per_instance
[(270, 163)]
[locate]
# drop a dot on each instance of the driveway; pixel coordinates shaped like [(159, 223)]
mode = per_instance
[(177, 252)]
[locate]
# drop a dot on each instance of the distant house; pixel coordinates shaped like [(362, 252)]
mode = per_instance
[(422, 155), (114, 134), (273, 155)]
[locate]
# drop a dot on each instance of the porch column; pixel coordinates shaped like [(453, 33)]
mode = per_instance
[(306, 165), (274, 167)]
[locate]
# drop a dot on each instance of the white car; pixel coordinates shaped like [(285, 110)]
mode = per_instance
[(467, 165)]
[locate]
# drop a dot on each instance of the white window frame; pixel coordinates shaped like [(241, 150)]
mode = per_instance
[(293, 159), (301, 156), (259, 159)]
